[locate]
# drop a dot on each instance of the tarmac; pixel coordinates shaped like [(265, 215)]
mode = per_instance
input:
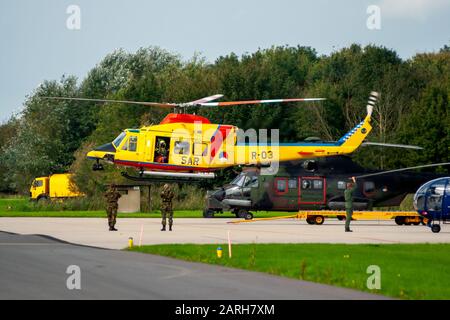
[(36, 267), (94, 231)]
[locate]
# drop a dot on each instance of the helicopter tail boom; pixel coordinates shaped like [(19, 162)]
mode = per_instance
[(355, 137)]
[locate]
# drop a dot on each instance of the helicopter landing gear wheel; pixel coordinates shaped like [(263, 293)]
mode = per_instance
[(208, 213), (244, 214), (435, 228)]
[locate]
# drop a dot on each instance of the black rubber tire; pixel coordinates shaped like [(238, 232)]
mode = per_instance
[(249, 216), (435, 228), (42, 199), (242, 213), (208, 213), (400, 220), (310, 221), (340, 218)]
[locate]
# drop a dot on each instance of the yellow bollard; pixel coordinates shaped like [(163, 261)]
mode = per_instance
[(130, 242), (219, 252)]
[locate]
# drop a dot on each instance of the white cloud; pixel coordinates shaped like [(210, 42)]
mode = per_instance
[(415, 9)]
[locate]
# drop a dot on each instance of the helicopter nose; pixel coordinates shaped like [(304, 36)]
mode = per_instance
[(107, 147), (106, 150)]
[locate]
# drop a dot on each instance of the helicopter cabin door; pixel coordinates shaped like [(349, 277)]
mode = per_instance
[(312, 191), (286, 193)]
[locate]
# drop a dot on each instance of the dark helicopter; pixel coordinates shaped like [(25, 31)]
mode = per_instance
[(313, 184)]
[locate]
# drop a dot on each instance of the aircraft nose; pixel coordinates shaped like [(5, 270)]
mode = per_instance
[(107, 147)]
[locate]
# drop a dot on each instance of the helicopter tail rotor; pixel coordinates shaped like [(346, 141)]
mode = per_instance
[(373, 98)]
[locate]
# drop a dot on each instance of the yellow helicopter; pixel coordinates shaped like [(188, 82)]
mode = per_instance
[(188, 145)]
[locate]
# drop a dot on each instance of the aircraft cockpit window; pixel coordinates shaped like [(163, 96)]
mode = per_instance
[(181, 147), (117, 141), (292, 183), (251, 182), (341, 185), (239, 180), (437, 189), (132, 143), (419, 203), (435, 199), (125, 146), (369, 186)]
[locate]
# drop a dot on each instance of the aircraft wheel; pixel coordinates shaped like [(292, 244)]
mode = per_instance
[(435, 228), (249, 216), (310, 220), (319, 220), (208, 213), (400, 220), (244, 214)]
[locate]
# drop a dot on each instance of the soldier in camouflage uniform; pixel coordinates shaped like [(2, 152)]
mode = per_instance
[(348, 196), (166, 206), (112, 197)]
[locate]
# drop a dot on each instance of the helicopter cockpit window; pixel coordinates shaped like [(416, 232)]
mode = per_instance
[(251, 181), (341, 185), (117, 141), (125, 146), (435, 199), (132, 143), (369, 186), (181, 147), (419, 203), (239, 180)]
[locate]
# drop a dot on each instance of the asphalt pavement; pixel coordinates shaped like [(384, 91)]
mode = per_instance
[(38, 267)]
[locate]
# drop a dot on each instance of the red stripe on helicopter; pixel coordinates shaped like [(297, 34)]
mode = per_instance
[(304, 153), (217, 139)]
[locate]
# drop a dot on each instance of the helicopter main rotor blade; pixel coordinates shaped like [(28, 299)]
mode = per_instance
[(205, 99), (151, 104), (403, 169), (393, 145), (233, 103)]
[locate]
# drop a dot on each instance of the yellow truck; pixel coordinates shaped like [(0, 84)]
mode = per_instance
[(55, 186)]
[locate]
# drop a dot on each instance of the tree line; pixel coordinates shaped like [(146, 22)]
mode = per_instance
[(51, 136)]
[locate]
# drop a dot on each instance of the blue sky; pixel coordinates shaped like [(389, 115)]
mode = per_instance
[(36, 45)]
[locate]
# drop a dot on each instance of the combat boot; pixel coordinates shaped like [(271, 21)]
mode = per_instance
[(163, 228)]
